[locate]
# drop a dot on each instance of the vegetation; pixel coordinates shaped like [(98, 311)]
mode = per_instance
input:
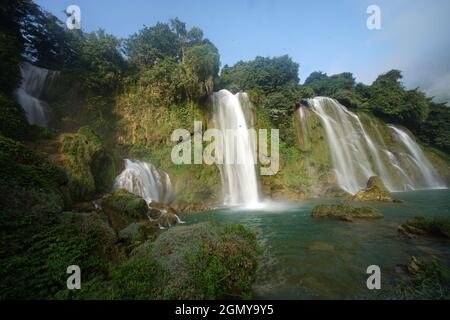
[(118, 98), (345, 212), (439, 227), (430, 281)]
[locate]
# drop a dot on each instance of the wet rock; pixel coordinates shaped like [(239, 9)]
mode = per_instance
[(345, 212), (165, 215), (375, 191), (420, 226), (415, 265)]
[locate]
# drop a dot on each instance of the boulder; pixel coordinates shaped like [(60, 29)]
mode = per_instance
[(345, 212), (375, 191), (164, 214), (420, 226), (123, 208), (137, 232)]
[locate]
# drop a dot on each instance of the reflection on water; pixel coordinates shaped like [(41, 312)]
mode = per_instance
[(327, 259)]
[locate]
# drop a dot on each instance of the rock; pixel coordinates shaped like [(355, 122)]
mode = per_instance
[(405, 231), (375, 181), (335, 191), (156, 207), (415, 265), (137, 231), (419, 226), (167, 219), (123, 208), (375, 191), (345, 212)]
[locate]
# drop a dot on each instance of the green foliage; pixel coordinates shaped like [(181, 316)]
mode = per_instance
[(90, 167), (390, 100), (267, 75), (39, 271), (201, 63), (432, 226), (128, 206), (24, 167), (135, 279), (101, 65), (225, 269), (152, 43), (272, 83), (345, 212), (432, 282), (193, 262), (164, 81), (436, 130), (13, 122)]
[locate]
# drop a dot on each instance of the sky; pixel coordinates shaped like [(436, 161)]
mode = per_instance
[(321, 35)]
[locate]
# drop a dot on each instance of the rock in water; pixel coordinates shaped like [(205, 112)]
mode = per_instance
[(375, 191), (345, 212)]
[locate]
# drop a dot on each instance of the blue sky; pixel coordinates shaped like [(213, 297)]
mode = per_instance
[(326, 35)]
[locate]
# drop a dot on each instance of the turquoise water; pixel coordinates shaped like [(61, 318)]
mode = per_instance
[(325, 259)]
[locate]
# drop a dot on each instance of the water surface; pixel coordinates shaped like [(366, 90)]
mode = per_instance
[(325, 259)]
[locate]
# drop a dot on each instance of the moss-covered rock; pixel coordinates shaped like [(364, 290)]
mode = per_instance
[(375, 191), (90, 167), (201, 261), (39, 270), (123, 208), (438, 227), (345, 212), (138, 232)]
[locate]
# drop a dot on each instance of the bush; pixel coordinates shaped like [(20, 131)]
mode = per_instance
[(13, 122)]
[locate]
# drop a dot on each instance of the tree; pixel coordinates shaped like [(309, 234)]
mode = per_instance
[(202, 64), (389, 99), (436, 130), (151, 43)]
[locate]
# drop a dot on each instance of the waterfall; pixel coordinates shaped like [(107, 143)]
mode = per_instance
[(430, 178), (29, 94), (356, 156), (238, 173), (142, 179)]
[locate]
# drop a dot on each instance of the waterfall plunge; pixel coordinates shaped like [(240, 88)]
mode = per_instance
[(356, 157), (29, 94), (142, 179), (239, 181)]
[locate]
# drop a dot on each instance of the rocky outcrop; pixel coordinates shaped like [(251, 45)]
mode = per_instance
[(165, 215), (345, 212), (375, 191), (421, 226), (123, 208)]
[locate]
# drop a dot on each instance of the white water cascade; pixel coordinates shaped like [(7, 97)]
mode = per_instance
[(356, 156), (29, 94), (238, 172), (142, 179), (430, 178)]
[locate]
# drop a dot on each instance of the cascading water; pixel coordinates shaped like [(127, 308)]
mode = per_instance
[(238, 173), (356, 156), (29, 94), (144, 180), (430, 178)]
